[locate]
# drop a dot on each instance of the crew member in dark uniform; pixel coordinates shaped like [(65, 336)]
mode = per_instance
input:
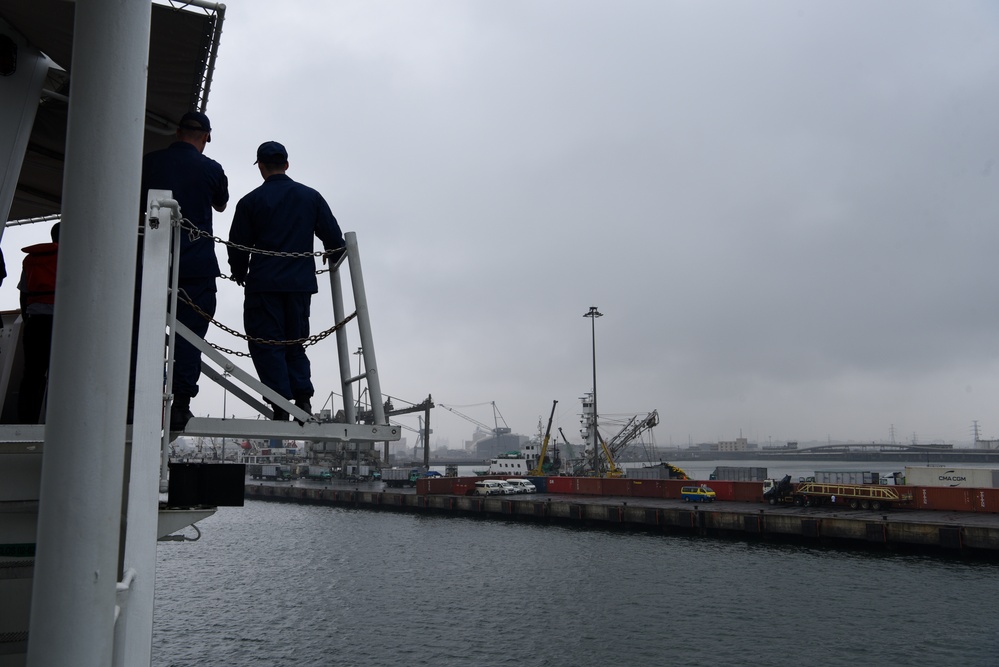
[(37, 288), (284, 216), (199, 185)]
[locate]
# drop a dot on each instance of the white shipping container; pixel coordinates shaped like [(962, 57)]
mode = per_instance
[(739, 474), (972, 478), (846, 477)]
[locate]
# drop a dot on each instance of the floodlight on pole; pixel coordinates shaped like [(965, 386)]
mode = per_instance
[(593, 314)]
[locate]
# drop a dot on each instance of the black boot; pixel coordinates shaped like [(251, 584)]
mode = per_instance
[(303, 403), (280, 414), (180, 413)]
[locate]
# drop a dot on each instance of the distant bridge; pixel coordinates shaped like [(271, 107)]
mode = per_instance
[(854, 448)]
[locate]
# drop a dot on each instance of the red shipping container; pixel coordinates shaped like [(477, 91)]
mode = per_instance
[(747, 492), (616, 487), (435, 487), (942, 498), (647, 488), (986, 500), (589, 486), (561, 484), (671, 487), (723, 489)]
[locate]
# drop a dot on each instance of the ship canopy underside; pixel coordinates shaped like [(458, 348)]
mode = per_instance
[(183, 42)]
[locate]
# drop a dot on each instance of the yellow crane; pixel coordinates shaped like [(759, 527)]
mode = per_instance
[(612, 469), (539, 468)]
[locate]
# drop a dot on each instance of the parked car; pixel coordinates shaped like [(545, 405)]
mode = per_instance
[(522, 485), (695, 494), (507, 487), (488, 487)]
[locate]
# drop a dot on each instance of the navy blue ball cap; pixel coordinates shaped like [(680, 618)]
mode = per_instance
[(195, 120), (271, 152)]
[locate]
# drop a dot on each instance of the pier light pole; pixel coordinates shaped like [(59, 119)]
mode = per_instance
[(593, 314)]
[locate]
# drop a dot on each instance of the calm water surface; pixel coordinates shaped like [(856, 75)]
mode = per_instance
[(281, 584)]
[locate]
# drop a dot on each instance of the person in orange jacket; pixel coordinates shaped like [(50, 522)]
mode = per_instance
[(37, 287)]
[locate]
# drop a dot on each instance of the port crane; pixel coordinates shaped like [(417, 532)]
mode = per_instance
[(539, 468), (496, 429), (634, 427)]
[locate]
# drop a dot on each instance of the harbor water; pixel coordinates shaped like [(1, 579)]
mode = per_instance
[(283, 584)]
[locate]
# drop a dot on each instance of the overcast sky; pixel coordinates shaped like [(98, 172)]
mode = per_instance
[(785, 211)]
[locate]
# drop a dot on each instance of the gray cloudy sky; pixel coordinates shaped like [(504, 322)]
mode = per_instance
[(785, 211)]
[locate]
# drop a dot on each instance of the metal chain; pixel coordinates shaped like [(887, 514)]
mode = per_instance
[(304, 342), (223, 276), (194, 233)]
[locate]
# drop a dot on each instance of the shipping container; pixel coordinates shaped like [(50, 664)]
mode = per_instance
[(739, 474), (589, 486), (969, 478), (439, 485), (671, 488), (724, 490), (647, 473), (847, 477), (540, 483), (560, 484), (615, 487), (943, 498), (985, 500), (748, 492), (647, 488)]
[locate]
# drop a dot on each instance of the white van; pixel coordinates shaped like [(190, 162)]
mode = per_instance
[(508, 488), (522, 485), (488, 487)]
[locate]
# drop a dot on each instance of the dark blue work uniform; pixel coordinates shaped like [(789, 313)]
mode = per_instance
[(284, 216), (198, 184)]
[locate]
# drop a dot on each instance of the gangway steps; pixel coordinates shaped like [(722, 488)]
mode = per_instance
[(14, 643), (15, 583), (290, 430)]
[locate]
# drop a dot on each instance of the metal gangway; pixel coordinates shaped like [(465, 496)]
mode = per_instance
[(146, 516), (164, 227)]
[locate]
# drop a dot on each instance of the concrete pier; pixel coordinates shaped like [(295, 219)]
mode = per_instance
[(954, 532)]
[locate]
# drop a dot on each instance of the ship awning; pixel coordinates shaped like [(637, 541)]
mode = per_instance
[(182, 47)]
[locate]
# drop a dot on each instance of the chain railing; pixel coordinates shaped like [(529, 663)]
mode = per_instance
[(193, 234)]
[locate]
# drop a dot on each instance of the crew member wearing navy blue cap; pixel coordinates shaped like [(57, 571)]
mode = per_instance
[(199, 185), (284, 216)]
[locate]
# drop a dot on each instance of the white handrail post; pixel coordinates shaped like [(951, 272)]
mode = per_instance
[(364, 328), (134, 629), (76, 565), (342, 344)]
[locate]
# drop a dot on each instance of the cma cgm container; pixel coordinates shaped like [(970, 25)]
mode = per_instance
[(971, 478), (847, 477)]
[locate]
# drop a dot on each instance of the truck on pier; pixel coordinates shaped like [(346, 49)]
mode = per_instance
[(400, 477), (318, 472), (812, 494), (268, 471)]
